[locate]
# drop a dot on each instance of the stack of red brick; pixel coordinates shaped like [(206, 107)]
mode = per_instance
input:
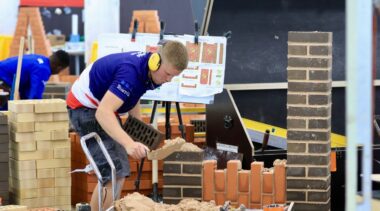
[(30, 16), (254, 188), (83, 184)]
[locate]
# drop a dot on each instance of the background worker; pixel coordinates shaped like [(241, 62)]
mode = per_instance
[(114, 85), (35, 72)]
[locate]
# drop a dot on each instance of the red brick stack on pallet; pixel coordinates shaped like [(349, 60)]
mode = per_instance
[(84, 184), (30, 16), (4, 159), (254, 188), (40, 153)]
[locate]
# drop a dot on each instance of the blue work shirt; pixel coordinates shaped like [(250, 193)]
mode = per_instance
[(35, 73), (124, 74)]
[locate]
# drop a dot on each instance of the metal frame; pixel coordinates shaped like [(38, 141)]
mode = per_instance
[(359, 100), (95, 167)]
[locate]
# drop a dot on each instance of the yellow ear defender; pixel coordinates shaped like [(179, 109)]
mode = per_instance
[(154, 62)]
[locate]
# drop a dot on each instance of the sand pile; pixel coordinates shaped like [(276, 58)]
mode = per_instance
[(189, 147), (137, 202)]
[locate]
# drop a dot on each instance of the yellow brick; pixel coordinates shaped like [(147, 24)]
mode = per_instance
[(59, 134), (23, 184), (63, 181), (63, 191), (62, 200), (45, 173), (21, 106), (43, 117), (46, 183), (61, 143), (46, 201), (53, 163), (60, 116), (62, 152), (30, 203), (26, 146), (25, 193), (49, 126), (26, 174), (62, 172), (46, 192), (22, 117), (44, 145), (50, 105), (22, 137), (13, 208), (21, 165), (22, 126), (36, 155), (42, 136)]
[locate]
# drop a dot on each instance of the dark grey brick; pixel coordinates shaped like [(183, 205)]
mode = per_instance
[(4, 138), (309, 62), (296, 195), (295, 171), (4, 157), (47, 96), (319, 99), (320, 196), (59, 96), (4, 147), (296, 99), (3, 119), (322, 50), (307, 184), (297, 50), (308, 159), (57, 88), (182, 180), (296, 147), (319, 123), (297, 74), (172, 168), (309, 112), (312, 37), (171, 201), (308, 135), (296, 123), (185, 156), (192, 192), (319, 148), (320, 75), (192, 169), (319, 171), (171, 192), (4, 129), (309, 87), (312, 207), (4, 185)]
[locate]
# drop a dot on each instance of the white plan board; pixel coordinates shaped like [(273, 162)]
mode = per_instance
[(203, 78)]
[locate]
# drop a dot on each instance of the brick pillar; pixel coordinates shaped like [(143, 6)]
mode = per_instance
[(309, 119)]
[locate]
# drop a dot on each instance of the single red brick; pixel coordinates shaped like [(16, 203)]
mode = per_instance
[(209, 167), (233, 166), (267, 199), (243, 199), (256, 181), (220, 180), (279, 183), (255, 206), (220, 198), (268, 181), (244, 180)]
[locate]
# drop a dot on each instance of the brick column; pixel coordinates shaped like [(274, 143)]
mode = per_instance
[(309, 119)]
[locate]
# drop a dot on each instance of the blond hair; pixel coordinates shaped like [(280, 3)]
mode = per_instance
[(175, 53)]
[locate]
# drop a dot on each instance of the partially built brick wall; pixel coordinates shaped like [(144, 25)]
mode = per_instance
[(309, 119), (254, 188)]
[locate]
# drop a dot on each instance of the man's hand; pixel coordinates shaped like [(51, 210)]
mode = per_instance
[(137, 150)]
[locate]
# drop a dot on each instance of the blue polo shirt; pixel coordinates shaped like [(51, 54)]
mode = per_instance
[(35, 73), (124, 74)]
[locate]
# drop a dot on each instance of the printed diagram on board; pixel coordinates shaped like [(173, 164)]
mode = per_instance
[(205, 73)]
